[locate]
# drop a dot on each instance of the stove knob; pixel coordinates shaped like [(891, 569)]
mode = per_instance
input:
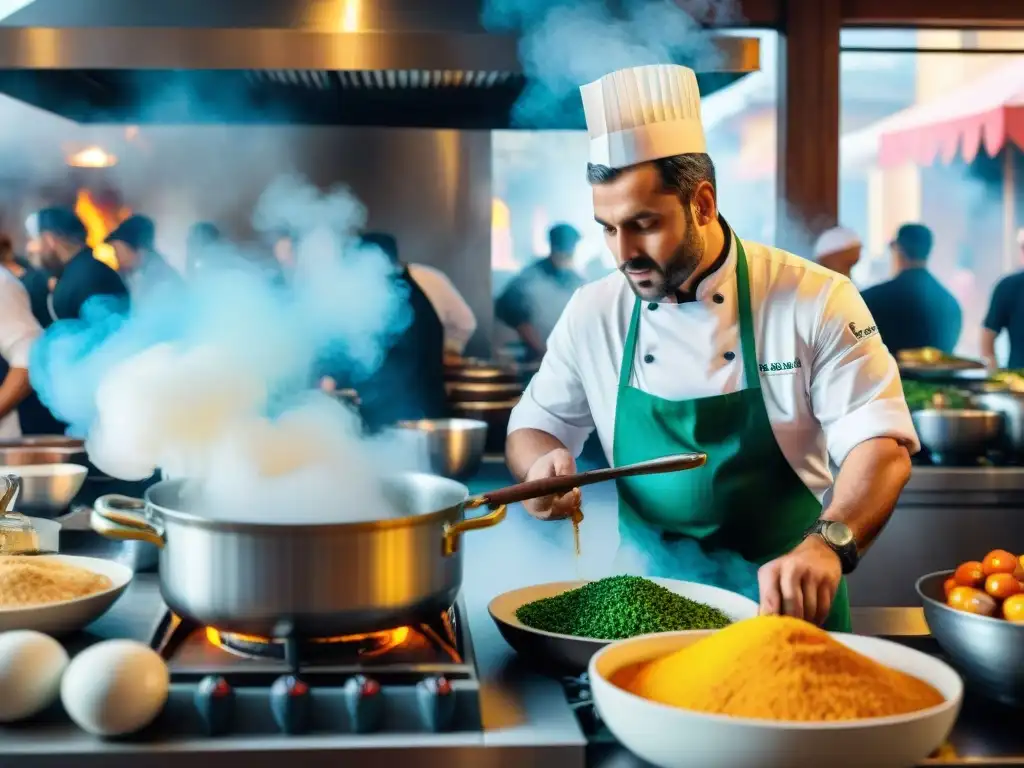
[(364, 702), (290, 701), (436, 698), (215, 703)]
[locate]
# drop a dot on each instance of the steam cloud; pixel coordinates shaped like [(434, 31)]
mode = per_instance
[(566, 43), (214, 382)]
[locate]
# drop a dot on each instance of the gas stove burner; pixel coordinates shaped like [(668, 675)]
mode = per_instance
[(356, 648), (436, 642)]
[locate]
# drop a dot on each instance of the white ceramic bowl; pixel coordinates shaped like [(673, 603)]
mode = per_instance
[(672, 737), (70, 615)]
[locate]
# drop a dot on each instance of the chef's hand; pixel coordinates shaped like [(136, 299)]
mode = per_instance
[(556, 463), (802, 583)]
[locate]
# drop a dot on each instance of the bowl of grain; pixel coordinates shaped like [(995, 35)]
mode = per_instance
[(774, 692), (57, 594)]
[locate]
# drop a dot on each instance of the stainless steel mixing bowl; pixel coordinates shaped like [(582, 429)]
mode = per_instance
[(988, 652), (454, 447), (954, 432), (47, 489)]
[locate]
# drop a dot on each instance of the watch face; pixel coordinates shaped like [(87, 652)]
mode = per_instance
[(838, 534)]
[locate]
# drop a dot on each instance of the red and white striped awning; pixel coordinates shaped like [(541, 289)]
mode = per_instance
[(985, 112)]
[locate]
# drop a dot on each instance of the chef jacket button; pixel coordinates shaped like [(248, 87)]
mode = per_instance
[(729, 355), (648, 358), (718, 298), (652, 306)]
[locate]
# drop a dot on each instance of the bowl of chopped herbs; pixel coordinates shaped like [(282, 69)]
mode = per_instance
[(558, 626)]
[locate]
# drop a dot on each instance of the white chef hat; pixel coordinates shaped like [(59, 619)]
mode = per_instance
[(643, 113), (835, 240)]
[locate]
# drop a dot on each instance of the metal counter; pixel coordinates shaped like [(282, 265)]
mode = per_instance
[(944, 516)]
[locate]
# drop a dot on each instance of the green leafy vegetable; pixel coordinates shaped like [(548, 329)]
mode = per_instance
[(619, 607)]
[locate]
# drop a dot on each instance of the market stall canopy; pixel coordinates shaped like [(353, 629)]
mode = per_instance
[(987, 111)]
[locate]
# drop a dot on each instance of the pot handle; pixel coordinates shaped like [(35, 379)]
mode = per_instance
[(453, 531), (124, 518)]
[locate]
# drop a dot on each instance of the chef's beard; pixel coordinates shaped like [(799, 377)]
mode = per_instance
[(668, 278)]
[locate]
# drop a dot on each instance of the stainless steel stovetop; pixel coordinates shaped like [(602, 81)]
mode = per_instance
[(388, 699)]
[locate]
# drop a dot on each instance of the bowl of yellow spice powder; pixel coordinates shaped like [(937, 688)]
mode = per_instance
[(774, 692)]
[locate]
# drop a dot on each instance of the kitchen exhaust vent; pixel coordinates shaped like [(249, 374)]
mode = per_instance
[(401, 63)]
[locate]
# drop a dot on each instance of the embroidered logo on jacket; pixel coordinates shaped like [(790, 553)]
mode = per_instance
[(788, 366), (871, 330)]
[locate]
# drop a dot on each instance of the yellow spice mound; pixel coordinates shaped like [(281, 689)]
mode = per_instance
[(27, 581), (777, 668)]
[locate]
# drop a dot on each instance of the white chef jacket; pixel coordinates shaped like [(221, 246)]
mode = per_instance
[(18, 330), (457, 318), (827, 379)]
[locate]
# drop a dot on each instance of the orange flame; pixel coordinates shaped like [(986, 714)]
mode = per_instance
[(382, 641), (99, 222)]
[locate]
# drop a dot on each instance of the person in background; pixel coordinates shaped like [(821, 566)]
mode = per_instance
[(1006, 313), (914, 310), (838, 249), (36, 281), (59, 237), (534, 300), (18, 331), (143, 269), (457, 318), (409, 384), (204, 238)]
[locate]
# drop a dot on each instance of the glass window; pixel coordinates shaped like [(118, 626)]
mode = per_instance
[(539, 176), (932, 123)]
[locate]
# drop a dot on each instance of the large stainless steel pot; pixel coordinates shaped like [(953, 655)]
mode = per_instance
[(461, 392), (1011, 406), (323, 580), (495, 414), (41, 449), (950, 433)]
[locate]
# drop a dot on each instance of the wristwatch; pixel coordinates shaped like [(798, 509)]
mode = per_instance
[(840, 540)]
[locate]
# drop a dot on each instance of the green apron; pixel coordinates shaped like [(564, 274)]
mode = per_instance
[(746, 505)]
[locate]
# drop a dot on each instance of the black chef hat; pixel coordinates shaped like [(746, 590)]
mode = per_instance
[(62, 222), (137, 232)]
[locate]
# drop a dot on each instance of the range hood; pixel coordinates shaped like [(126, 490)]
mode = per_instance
[(401, 63)]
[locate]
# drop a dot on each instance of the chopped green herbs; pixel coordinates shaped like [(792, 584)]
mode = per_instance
[(619, 607)]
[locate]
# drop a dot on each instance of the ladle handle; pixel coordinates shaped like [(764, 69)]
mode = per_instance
[(548, 486)]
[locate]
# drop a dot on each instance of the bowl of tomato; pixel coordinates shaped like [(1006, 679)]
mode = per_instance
[(976, 614)]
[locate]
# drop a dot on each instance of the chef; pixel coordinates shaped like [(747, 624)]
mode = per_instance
[(701, 341), (142, 268), (838, 249), (18, 331), (59, 237)]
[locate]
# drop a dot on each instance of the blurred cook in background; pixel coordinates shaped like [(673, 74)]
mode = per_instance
[(1006, 313), (914, 310), (456, 317), (36, 282), (838, 249), (59, 237), (409, 384), (18, 331), (534, 300), (143, 269), (203, 243)]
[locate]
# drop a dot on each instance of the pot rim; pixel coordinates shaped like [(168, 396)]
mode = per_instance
[(438, 516)]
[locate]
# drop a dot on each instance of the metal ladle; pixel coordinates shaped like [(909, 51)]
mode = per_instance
[(17, 535)]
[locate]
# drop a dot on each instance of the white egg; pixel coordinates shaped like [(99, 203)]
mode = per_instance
[(31, 665), (115, 687)]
